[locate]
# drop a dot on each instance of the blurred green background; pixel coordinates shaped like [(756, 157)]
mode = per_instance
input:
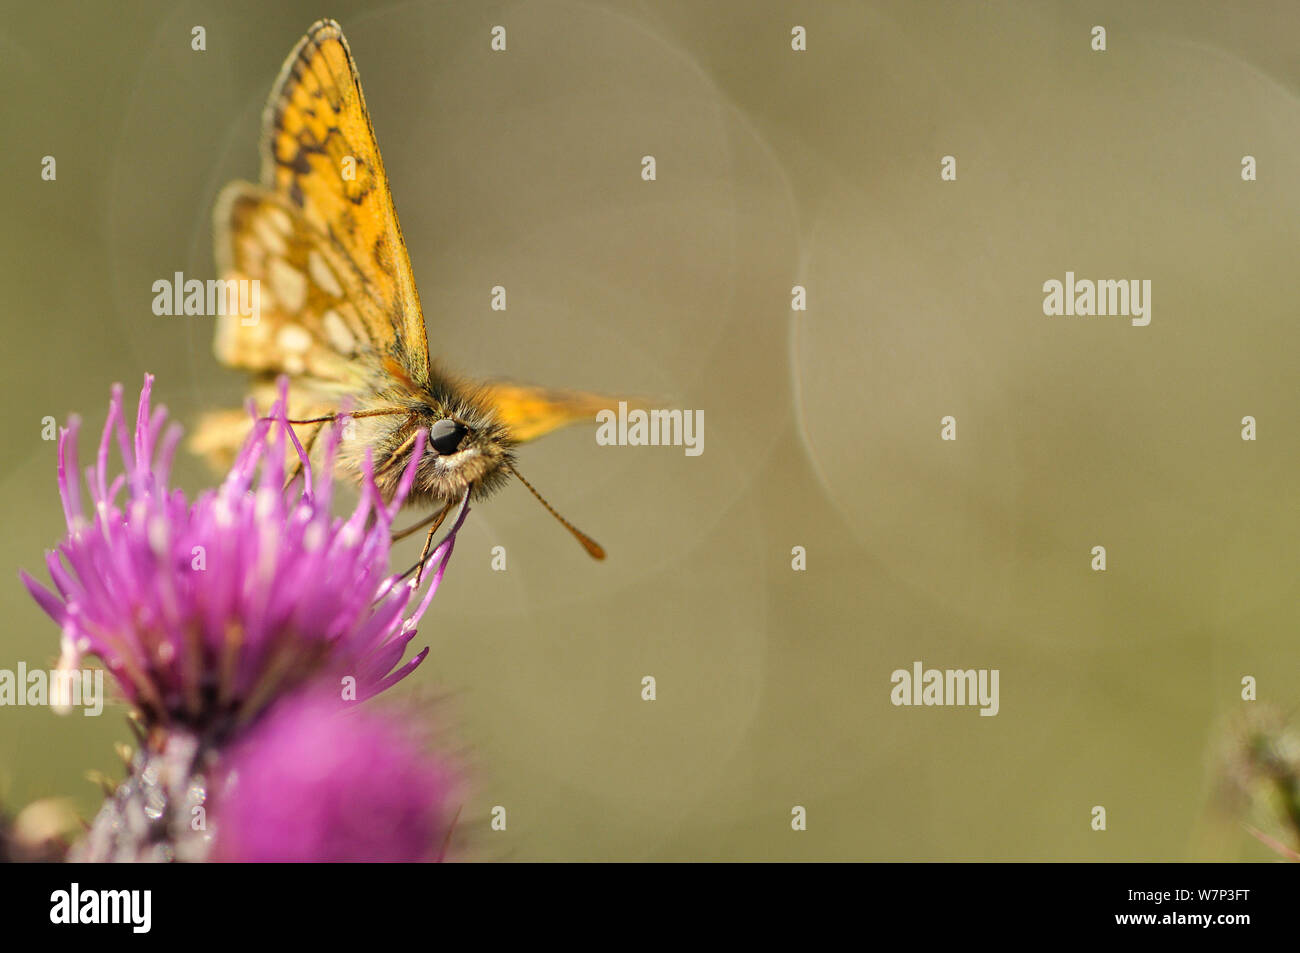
[(775, 168)]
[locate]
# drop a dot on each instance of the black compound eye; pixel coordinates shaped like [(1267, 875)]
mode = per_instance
[(445, 436)]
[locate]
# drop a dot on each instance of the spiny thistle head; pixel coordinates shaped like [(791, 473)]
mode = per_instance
[(203, 612), (243, 627)]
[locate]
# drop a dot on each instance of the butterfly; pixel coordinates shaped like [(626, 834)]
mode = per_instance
[(340, 315)]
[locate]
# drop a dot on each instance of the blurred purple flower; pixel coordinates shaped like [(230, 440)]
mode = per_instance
[(206, 611), (317, 781)]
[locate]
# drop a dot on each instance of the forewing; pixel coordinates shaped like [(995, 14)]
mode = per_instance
[(319, 153)]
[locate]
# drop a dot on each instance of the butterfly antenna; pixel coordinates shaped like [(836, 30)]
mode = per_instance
[(593, 548)]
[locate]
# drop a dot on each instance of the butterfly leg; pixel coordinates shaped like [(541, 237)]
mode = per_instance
[(438, 515), (428, 543), (436, 519)]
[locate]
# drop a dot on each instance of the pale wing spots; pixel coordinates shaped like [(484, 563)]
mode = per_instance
[(267, 234), (237, 344), (252, 252), (336, 330), (280, 219), (293, 339), (288, 284), (321, 274)]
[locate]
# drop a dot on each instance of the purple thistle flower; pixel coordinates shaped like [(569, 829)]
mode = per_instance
[(240, 626), (317, 781), (204, 612)]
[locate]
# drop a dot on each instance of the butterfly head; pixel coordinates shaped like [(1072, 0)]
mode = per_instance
[(475, 455), (465, 451), (471, 450)]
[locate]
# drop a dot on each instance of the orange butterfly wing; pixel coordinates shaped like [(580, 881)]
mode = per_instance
[(338, 305), (319, 152), (531, 412)]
